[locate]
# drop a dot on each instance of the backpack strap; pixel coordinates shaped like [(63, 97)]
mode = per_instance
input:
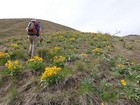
[(37, 29)]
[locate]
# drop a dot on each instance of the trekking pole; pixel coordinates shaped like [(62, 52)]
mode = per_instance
[(40, 42)]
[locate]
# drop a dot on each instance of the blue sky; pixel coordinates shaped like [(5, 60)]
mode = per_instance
[(107, 16)]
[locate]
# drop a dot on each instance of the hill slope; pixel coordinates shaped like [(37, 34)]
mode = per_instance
[(73, 68), (16, 27)]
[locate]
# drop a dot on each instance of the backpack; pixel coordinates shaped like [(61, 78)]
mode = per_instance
[(37, 29), (33, 28)]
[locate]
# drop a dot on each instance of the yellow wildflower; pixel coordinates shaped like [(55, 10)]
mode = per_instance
[(121, 66), (97, 50), (13, 65), (57, 48), (102, 103), (108, 47), (16, 62), (59, 59), (35, 58), (3, 55), (72, 39), (14, 45), (123, 82), (84, 55), (61, 37)]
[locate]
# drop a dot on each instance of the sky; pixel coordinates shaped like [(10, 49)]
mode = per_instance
[(119, 17)]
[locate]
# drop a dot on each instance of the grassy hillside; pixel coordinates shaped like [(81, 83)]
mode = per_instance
[(16, 27), (73, 68)]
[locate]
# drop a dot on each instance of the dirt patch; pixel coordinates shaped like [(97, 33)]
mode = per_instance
[(2, 47)]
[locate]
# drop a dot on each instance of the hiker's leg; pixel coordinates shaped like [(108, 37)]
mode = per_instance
[(30, 46), (34, 47)]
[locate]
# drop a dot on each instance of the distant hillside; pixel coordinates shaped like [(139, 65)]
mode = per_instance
[(17, 27), (132, 37)]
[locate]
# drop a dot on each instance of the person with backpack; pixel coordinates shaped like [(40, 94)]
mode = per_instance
[(34, 32)]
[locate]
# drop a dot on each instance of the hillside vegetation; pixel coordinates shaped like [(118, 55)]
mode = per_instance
[(72, 68)]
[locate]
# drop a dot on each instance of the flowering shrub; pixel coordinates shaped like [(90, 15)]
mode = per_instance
[(108, 47), (53, 52), (58, 37), (51, 75), (61, 37), (59, 61), (121, 65), (97, 51), (72, 39), (57, 48), (14, 45), (84, 55), (3, 58), (16, 54), (13, 67), (121, 68), (35, 63), (129, 91)]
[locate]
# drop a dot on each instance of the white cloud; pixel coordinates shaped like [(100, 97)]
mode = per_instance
[(84, 15)]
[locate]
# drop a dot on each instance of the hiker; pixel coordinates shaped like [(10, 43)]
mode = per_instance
[(34, 32)]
